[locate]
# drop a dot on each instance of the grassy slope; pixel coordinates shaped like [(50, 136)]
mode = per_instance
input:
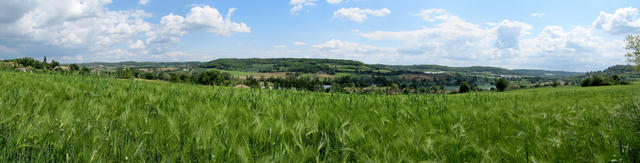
[(55, 118)]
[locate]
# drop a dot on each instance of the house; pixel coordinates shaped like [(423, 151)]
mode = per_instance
[(23, 69), (241, 86), (61, 68), (326, 86), (434, 72)]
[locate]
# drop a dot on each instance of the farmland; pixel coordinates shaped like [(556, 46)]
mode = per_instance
[(55, 118)]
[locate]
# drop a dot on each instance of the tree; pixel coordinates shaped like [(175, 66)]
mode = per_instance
[(464, 87), (252, 82), (597, 80), (586, 82), (615, 79), (633, 45), (85, 71), (501, 84), (45, 60), (212, 77), (148, 76), (74, 67), (54, 64)]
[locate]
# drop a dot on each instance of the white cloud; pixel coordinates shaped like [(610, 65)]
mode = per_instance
[(75, 24), (136, 45), (298, 5), (452, 28), (355, 51), (87, 28), (280, 46), (359, 15), (432, 15), (509, 33), (623, 21), (143, 2), (299, 43), (172, 27), (334, 1), (344, 46), (170, 30), (453, 41), (211, 20), (537, 14)]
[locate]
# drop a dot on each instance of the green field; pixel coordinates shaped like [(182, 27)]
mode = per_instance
[(56, 118)]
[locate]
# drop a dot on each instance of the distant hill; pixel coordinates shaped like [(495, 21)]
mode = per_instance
[(619, 69), (624, 71), (335, 66), (417, 75), (284, 65), (141, 64)]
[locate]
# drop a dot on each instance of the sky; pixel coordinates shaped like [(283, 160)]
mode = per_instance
[(570, 35)]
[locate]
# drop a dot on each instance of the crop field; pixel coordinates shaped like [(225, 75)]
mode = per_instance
[(56, 118)]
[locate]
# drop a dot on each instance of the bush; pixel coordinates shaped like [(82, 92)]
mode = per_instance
[(252, 82), (597, 80), (586, 82), (85, 71), (148, 76), (74, 67), (213, 77), (464, 87), (501, 84)]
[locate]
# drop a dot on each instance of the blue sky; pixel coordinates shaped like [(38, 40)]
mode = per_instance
[(552, 35)]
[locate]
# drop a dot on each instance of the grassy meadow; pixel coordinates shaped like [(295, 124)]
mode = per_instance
[(57, 118)]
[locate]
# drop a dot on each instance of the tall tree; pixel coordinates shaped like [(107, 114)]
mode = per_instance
[(501, 84), (633, 45)]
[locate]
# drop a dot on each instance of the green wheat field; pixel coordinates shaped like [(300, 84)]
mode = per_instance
[(66, 118)]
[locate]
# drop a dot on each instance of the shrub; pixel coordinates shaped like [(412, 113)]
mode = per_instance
[(464, 87), (74, 67), (85, 71), (586, 82), (501, 84), (213, 77), (148, 76), (597, 80)]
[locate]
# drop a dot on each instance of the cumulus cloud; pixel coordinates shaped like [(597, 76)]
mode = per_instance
[(87, 27), (211, 20), (200, 18), (350, 50), (75, 24), (143, 2), (453, 41), (334, 1), (299, 43), (359, 15), (537, 14), (432, 15), (622, 21), (298, 5), (509, 33), (136, 45)]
